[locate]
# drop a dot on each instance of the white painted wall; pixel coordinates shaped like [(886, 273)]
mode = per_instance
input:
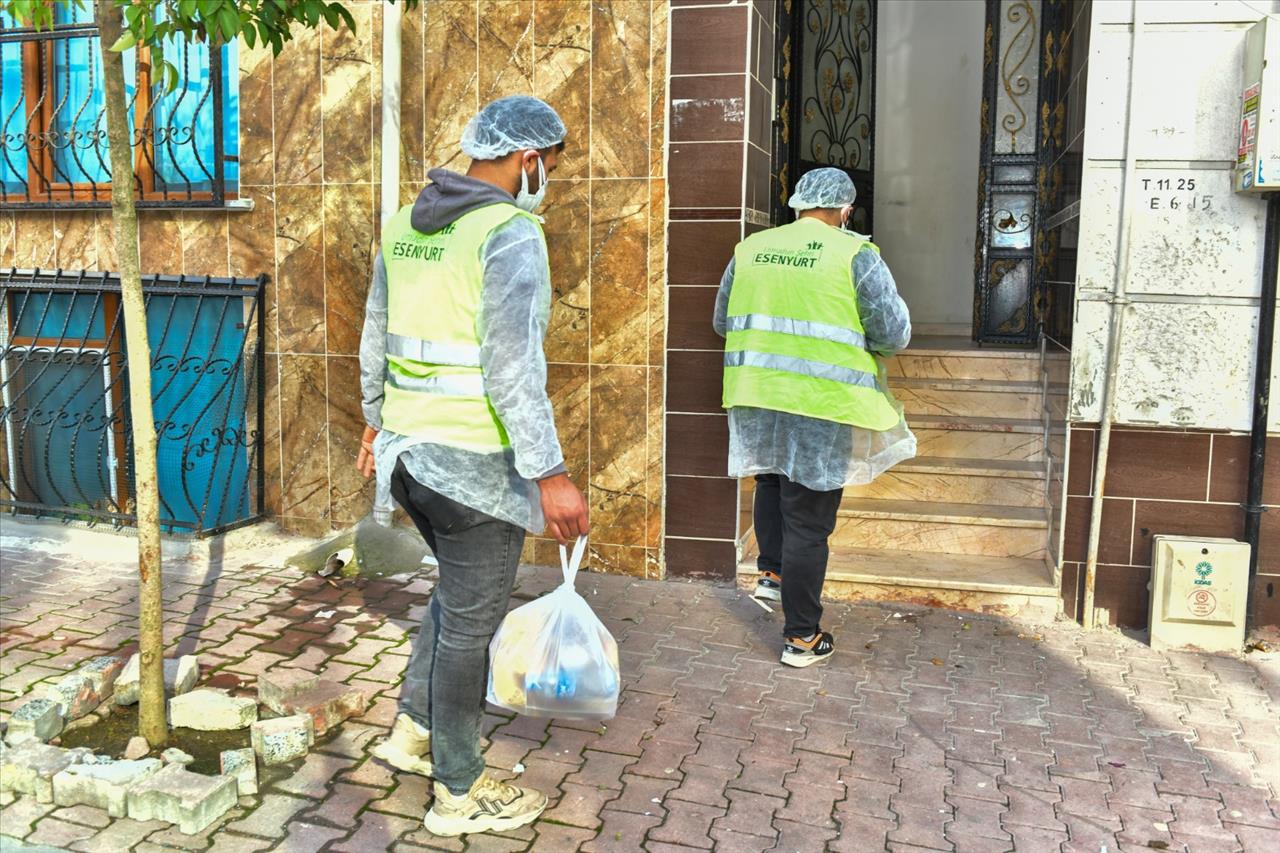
[(928, 92), (1187, 358)]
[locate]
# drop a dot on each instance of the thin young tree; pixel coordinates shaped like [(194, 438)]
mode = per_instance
[(149, 25)]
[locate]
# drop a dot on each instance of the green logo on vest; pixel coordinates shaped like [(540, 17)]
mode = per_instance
[(805, 258)]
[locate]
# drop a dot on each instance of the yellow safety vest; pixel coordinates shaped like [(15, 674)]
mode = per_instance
[(435, 388), (794, 341)]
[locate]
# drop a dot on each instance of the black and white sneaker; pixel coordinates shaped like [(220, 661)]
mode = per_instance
[(799, 651), (769, 586)]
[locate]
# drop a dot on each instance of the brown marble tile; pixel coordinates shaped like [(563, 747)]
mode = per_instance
[(757, 197), (160, 242), (350, 494), (304, 431), (1072, 589), (413, 95), (694, 381), (689, 326), (205, 243), (257, 146), (346, 99), (618, 560), (1080, 466), (657, 272), (765, 35), (707, 174), (452, 81), (1265, 601), (77, 240), (619, 280), (760, 130), (299, 156), (1117, 525), (1122, 590), (619, 461), (1156, 518), (506, 48), (1158, 464), (568, 229), (569, 387), (709, 41), (656, 438), (348, 263), (35, 243), (252, 241), (108, 259), (707, 109), (271, 434), (700, 559), (620, 93), (1229, 480), (300, 269), (699, 445), (701, 507), (698, 252), (659, 33), (562, 76)]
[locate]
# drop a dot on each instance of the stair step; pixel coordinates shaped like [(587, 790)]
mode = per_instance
[(1005, 585), (926, 364), (982, 437), (977, 423), (969, 397), (938, 527), (959, 479)]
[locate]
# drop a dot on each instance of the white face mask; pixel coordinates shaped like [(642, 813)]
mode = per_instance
[(525, 200)]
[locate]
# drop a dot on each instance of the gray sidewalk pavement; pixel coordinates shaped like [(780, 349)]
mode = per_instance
[(930, 729)]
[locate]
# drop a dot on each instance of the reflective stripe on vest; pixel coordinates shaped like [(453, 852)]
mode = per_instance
[(794, 340), (435, 388)]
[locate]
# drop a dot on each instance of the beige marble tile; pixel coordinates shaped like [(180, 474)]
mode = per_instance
[(252, 252), (619, 272), (413, 95), (657, 272), (257, 127), (899, 484), (304, 430), (160, 242), (658, 30), (938, 537), (977, 445), (569, 387), (6, 239), (562, 76), (35, 243), (300, 269), (77, 240), (272, 495), (108, 258), (506, 48), (966, 403), (656, 462), (347, 100), (205, 248), (962, 367), (568, 230), (619, 455), (297, 131), (618, 560), (348, 263), (350, 495), (620, 93), (452, 80)]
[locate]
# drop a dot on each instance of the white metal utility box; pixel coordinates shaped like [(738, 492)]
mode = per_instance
[(1199, 590), (1258, 153)]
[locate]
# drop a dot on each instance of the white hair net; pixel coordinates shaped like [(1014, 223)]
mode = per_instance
[(514, 123), (822, 188)]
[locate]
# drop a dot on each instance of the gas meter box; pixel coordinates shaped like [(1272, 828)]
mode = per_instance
[(1199, 591), (1258, 152)]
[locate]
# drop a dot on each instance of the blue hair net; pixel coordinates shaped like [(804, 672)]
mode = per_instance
[(824, 188), (514, 123)]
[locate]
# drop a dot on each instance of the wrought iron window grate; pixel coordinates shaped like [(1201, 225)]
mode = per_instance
[(53, 140), (64, 398)]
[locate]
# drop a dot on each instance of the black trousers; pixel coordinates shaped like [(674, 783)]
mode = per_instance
[(793, 524)]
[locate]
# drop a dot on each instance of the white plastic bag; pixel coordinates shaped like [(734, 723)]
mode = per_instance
[(553, 657)]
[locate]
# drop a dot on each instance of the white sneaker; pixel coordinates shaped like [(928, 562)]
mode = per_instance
[(408, 748), (490, 806)]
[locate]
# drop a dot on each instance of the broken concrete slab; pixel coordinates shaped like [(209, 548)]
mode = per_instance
[(328, 704), (173, 755), (242, 765), (191, 800), (212, 710), (103, 786), (38, 720), (281, 684), (86, 688), (30, 768), (282, 739), (180, 675)]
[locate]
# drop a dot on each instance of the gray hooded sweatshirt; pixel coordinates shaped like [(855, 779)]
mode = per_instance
[(515, 304)]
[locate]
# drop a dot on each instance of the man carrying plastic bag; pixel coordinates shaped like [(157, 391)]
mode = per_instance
[(553, 657)]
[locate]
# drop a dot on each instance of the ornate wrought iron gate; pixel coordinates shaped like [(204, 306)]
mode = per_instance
[(64, 416), (1022, 120), (826, 64)]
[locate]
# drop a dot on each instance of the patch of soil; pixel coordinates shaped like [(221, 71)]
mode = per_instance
[(111, 734)]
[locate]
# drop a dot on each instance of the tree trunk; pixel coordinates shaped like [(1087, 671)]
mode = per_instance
[(152, 723)]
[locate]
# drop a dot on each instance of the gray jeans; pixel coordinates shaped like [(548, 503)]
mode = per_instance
[(447, 677)]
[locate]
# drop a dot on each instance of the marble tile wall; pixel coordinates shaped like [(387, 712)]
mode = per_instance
[(310, 155)]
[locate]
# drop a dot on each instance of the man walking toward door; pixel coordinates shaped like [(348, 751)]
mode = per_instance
[(807, 310)]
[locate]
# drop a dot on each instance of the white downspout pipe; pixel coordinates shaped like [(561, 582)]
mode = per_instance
[(391, 22), (1119, 302)]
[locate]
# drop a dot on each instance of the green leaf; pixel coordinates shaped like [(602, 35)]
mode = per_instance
[(229, 22), (346, 16), (126, 41), (250, 36), (331, 16), (187, 9), (209, 8)]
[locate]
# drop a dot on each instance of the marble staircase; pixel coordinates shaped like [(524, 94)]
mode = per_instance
[(964, 524)]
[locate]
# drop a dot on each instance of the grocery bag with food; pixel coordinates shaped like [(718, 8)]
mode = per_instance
[(553, 657)]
